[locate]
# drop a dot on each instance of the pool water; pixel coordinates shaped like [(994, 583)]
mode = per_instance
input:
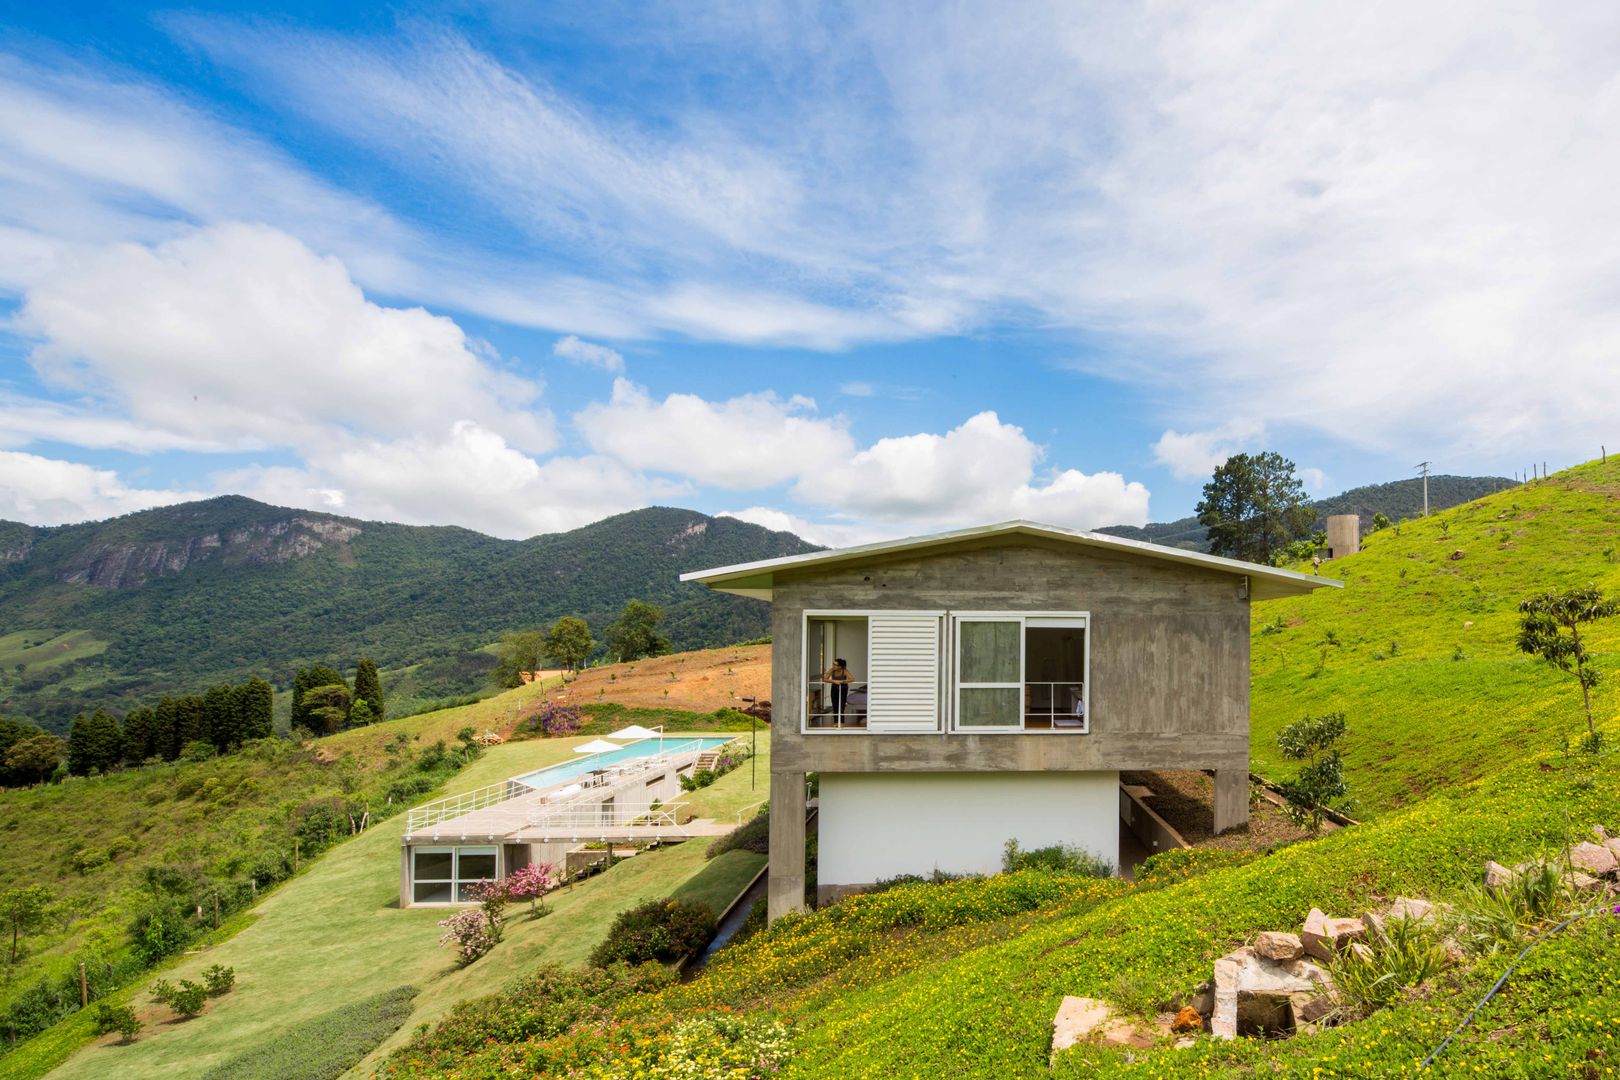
[(556, 774)]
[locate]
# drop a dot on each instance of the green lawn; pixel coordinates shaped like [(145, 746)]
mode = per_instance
[(723, 880), (336, 934), (41, 650)]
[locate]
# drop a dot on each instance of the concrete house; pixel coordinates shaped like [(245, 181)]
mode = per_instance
[(998, 679)]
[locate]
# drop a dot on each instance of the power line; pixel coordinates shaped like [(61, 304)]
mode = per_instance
[(1424, 466)]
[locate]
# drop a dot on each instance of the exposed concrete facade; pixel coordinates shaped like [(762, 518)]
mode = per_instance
[(1168, 643), (1343, 535)]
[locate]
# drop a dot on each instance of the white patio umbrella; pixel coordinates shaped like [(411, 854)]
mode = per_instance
[(635, 731), (595, 746)]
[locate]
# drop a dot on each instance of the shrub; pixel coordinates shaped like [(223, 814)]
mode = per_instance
[(1407, 955), (657, 930), (219, 980), (322, 1048), (187, 999), (1488, 920), (197, 750), (119, 1018), (158, 930), (552, 720), (1319, 785), (1064, 858), (753, 835), (473, 932), (530, 883)]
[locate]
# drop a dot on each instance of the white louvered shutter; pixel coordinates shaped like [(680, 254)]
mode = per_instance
[(903, 667)]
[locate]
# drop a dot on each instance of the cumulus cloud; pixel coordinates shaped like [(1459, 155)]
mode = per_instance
[(749, 441), (241, 335), (587, 354), (982, 470), (46, 491), (1194, 455), (466, 475)]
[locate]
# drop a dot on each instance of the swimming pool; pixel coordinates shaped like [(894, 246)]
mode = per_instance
[(556, 774)]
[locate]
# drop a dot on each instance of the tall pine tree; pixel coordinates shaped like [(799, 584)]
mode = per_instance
[(190, 721), (255, 704), (306, 680), (166, 728), (140, 736), (95, 744), (368, 687), (219, 705)]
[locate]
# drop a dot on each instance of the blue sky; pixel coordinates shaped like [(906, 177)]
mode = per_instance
[(849, 270)]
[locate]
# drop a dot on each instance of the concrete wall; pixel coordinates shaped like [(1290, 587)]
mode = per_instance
[(873, 826), (1169, 685), (1343, 535)]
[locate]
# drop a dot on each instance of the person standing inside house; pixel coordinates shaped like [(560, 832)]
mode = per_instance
[(837, 677)]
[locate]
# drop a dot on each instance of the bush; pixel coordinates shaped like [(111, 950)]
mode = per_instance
[(219, 980), (552, 720), (197, 750), (753, 835), (187, 999), (473, 932), (322, 1048), (1058, 858), (119, 1018), (160, 929), (1407, 955), (663, 930)]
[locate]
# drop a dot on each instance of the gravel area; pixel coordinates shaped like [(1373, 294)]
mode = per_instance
[(1187, 801)]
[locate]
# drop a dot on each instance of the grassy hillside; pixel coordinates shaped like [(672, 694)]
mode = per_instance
[(185, 596), (963, 979), (221, 826), (1418, 648), (336, 934)]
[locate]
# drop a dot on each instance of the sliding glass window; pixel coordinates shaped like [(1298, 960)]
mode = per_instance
[(1021, 673)]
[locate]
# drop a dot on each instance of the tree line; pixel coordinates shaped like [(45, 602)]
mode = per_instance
[(189, 726), (569, 644)]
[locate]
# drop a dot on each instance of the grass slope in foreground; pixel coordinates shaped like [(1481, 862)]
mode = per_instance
[(336, 934), (1418, 648), (962, 979)]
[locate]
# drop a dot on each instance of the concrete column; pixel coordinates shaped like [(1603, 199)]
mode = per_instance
[(404, 877), (785, 881), (1231, 798)]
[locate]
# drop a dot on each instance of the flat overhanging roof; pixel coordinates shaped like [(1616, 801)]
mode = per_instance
[(757, 579)]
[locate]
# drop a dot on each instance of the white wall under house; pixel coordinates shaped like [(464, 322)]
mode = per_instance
[(873, 826)]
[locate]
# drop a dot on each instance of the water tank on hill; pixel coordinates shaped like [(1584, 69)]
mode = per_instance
[(1343, 535)]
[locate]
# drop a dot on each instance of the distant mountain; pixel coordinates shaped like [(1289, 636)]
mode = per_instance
[(190, 594), (1396, 500)]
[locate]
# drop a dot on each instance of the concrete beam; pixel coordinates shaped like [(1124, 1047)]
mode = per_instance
[(785, 882), (1231, 799)]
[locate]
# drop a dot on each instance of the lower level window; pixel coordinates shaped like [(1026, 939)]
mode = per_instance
[(445, 875)]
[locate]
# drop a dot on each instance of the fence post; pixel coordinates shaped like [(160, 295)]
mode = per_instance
[(84, 988), (216, 911), (295, 854)]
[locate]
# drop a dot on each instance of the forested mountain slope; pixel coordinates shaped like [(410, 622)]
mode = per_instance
[(1395, 500), (187, 595)]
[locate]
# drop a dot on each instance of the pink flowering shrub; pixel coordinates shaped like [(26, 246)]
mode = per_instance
[(473, 932), (531, 883)]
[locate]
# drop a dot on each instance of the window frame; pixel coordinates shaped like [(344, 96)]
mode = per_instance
[(1082, 619), (868, 614), (455, 881)]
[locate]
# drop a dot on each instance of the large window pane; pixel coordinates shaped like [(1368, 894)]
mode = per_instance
[(989, 652), (479, 866), (988, 707), (434, 865), (432, 892)]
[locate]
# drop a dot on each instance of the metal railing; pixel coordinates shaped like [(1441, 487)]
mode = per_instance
[(453, 806), (609, 817)]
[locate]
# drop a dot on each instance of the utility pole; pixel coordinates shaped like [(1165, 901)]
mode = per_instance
[(1424, 466)]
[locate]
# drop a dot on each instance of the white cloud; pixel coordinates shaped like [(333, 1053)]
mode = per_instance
[(1314, 479), (466, 475), (45, 491), (587, 354), (983, 470), (749, 441), (858, 389), (827, 534), (1194, 455), (240, 335)]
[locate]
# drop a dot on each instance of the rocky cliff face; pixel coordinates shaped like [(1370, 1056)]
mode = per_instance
[(126, 566)]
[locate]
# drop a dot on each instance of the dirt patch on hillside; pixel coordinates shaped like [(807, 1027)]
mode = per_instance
[(1187, 801), (700, 681)]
